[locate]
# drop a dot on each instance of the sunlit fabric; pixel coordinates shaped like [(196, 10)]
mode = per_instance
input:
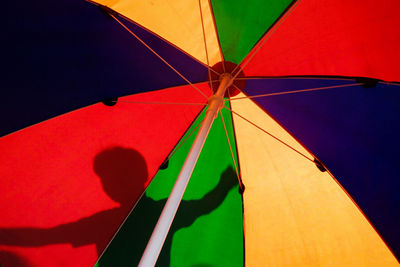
[(178, 22), (68, 183), (209, 217), (101, 101), (296, 215), (353, 130), (68, 54), (241, 24), (346, 38)]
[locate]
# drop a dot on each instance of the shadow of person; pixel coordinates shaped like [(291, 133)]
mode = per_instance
[(8, 258), (131, 240), (123, 174)]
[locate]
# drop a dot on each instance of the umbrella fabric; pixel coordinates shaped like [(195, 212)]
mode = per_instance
[(67, 55), (294, 213), (313, 134), (209, 217), (355, 38), (356, 141), (61, 196)]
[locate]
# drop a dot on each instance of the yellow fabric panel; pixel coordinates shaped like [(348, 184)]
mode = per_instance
[(294, 214), (177, 21)]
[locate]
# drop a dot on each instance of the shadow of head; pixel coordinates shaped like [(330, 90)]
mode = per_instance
[(123, 173)]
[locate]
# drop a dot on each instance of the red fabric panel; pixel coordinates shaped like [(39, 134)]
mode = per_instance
[(59, 203), (331, 37)]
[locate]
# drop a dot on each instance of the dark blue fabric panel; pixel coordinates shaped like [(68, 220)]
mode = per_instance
[(61, 55), (354, 131)]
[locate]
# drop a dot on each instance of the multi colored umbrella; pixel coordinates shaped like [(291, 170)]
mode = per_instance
[(102, 102)]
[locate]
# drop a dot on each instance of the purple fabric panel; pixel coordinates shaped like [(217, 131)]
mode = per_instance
[(62, 55)]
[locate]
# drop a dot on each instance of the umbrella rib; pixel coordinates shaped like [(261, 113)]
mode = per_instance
[(134, 206), (160, 103), (392, 83), (269, 34), (160, 57), (184, 140), (231, 150), (218, 40), (298, 91), (276, 138), (205, 45), (338, 78)]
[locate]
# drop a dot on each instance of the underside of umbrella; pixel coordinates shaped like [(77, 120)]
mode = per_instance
[(104, 100)]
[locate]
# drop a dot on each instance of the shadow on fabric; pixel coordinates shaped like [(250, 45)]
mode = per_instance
[(123, 173), (128, 246), (8, 258)]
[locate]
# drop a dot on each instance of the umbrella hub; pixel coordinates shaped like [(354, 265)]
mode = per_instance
[(216, 101), (227, 67)]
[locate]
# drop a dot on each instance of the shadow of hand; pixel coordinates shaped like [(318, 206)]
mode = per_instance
[(228, 178)]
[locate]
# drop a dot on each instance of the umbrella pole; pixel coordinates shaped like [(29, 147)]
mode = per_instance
[(160, 232)]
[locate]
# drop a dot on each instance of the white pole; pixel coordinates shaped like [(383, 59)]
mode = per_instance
[(160, 232)]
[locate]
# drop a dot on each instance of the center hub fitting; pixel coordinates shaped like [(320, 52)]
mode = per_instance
[(227, 67)]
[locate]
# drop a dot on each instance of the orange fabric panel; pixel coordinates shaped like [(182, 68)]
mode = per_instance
[(177, 21), (296, 215)]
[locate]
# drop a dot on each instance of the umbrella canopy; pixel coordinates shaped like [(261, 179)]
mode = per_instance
[(309, 127)]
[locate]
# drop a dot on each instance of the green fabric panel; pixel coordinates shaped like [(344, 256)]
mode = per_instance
[(208, 227), (240, 24)]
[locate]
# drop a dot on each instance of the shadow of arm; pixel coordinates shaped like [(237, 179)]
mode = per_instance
[(193, 209), (78, 233)]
